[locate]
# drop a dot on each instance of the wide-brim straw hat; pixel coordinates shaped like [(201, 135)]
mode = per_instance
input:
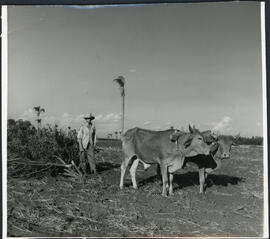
[(89, 116)]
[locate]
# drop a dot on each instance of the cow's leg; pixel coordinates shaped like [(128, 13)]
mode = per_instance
[(202, 179), (165, 185), (132, 170), (171, 184), (208, 170), (158, 172), (123, 168), (205, 175)]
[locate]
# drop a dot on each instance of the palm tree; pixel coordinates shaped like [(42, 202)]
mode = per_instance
[(120, 80), (38, 110)]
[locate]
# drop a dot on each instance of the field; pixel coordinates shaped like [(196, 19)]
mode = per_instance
[(62, 206)]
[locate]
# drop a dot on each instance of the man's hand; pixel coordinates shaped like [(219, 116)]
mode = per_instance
[(81, 147)]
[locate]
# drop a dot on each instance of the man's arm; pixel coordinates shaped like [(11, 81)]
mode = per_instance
[(79, 138), (94, 135)]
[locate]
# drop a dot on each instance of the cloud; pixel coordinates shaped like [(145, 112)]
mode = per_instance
[(64, 120), (132, 70), (99, 117), (91, 7), (146, 123), (108, 123), (156, 128), (105, 123), (223, 125), (28, 114), (114, 117), (51, 120)]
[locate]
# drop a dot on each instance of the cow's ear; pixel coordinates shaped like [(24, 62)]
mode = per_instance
[(207, 136), (236, 137), (188, 142), (214, 136), (195, 130)]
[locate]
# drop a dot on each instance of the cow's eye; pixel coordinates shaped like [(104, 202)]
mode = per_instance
[(200, 138)]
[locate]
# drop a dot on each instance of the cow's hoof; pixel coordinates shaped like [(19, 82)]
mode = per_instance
[(164, 195), (171, 194), (121, 187), (136, 187)]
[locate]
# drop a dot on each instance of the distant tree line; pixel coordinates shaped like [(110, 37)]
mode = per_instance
[(25, 139), (254, 140)]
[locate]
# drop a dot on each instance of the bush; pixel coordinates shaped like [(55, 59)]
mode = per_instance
[(23, 141)]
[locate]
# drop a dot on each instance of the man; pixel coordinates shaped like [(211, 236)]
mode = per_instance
[(87, 141)]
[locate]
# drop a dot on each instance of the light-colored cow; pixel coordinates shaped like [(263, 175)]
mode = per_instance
[(167, 148)]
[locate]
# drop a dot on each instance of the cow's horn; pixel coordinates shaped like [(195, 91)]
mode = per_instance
[(190, 128), (214, 135)]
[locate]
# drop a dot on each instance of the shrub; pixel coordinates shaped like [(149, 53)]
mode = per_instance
[(24, 141)]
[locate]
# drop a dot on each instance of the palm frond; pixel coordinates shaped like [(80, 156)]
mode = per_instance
[(120, 80), (36, 108)]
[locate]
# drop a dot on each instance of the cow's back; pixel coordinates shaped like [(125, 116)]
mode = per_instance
[(148, 145)]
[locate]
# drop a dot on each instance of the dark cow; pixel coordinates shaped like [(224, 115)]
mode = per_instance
[(167, 148), (220, 149)]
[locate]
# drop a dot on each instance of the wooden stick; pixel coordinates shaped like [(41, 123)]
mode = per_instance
[(44, 169), (61, 160), (76, 168), (41, 164), (71, 173)]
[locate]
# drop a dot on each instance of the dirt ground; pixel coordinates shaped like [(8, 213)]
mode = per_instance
[(60, 206)]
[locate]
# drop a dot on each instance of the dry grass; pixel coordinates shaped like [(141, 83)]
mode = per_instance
[(62, 206)]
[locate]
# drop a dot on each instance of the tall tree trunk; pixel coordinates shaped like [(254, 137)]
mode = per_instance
[(38, 126), (123, 114), (120, 80)]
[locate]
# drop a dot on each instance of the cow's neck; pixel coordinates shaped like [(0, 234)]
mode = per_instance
[(186, 151), (215, 151), (179, 145)]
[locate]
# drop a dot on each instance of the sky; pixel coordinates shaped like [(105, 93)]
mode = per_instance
[(183, 64)]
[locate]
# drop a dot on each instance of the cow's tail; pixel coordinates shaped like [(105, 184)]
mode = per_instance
[(145, 165)]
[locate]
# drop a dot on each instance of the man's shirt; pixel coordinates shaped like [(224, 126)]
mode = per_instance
[(87, 135)]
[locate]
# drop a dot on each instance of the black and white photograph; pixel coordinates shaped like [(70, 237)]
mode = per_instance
[(134, 120)]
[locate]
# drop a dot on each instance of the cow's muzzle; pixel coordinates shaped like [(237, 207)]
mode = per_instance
[(225, 156)]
